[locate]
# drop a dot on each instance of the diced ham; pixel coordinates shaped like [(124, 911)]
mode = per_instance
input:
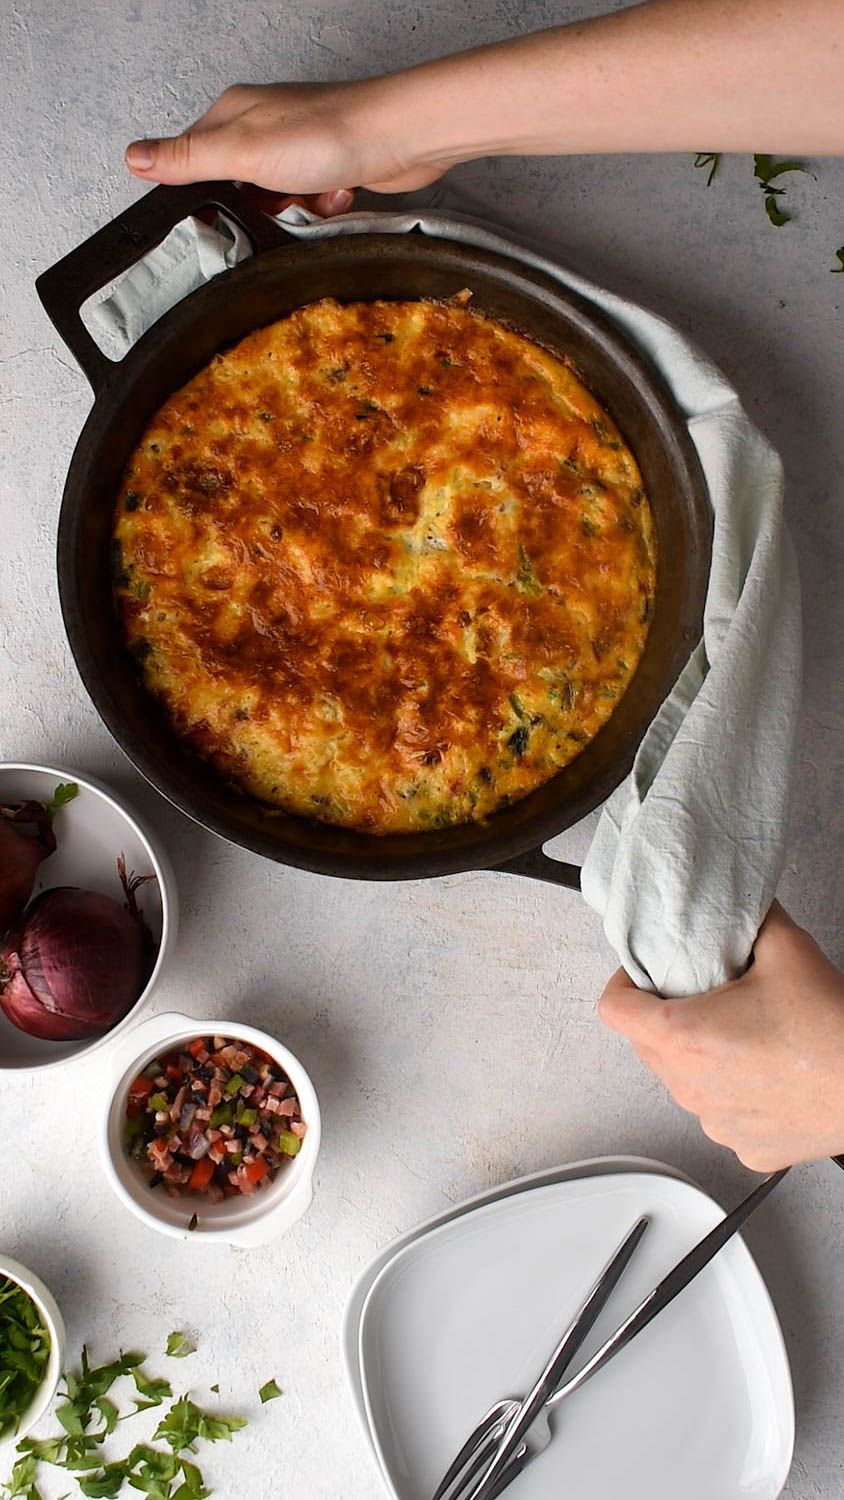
[(159, 1154), (181, 1149), (176, 1106)]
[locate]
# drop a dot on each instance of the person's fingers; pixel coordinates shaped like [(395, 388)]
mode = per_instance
[(625, 1008), (328, 205), (779, 938), (196, 155)]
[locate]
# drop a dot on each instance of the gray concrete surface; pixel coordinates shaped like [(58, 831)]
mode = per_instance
[(449, 1026)]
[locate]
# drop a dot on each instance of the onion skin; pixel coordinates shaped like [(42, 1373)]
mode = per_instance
[(73, 966), (20, 855)]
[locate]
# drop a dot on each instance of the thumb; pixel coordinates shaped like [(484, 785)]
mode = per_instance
[(193, 156), (631, 1011)]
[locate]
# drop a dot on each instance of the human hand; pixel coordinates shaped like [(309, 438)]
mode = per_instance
[(760, 1060), (311, 142), (585, 87)]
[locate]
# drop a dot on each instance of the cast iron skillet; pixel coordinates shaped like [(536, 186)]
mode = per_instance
[(283, 275)]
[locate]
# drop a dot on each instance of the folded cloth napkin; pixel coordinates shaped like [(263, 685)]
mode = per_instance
[(689, 849)]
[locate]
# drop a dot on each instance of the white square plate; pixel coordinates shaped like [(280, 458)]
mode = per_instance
[(699, 1407)]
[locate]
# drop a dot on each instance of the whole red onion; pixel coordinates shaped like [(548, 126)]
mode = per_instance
[(75, 964), (21, 853)]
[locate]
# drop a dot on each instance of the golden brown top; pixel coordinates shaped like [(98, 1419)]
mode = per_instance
[(387, 564)]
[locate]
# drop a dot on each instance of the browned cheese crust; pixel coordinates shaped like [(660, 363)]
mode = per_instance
[(389, 564)]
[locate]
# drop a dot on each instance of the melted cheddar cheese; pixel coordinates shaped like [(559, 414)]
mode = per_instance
[(388, 565)]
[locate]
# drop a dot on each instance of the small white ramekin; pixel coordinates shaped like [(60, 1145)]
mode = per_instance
[(256, 1219), (90, 831), (53, 1322)]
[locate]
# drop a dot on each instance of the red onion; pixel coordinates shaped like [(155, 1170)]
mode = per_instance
[(20, 854), (75, 963)]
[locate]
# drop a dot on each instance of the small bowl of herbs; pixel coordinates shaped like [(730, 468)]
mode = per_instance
[(32, 1344)]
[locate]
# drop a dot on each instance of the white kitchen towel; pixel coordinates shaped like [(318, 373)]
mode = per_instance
[(689, 849)]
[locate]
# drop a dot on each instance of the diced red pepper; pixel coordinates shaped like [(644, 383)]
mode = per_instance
[(195, 1047), (174, 1074), (256, 1169), (201, 1174), (140, 1089)]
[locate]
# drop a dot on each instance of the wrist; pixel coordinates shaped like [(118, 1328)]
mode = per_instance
[(434, 115)]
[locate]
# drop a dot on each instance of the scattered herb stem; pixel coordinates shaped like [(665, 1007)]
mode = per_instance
[(710, 159), (766, 170)]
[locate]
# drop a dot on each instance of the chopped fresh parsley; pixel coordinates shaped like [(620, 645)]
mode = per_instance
[(152, 1392), (270, 1392), (765, 169), (526, 578), (185, 1425), (87, 1416), (24, 1351), (179, 1346)]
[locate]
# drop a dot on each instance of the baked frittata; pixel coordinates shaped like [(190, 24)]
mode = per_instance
[(386, 564)]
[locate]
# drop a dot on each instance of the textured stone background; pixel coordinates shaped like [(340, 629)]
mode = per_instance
[(449, 1026)]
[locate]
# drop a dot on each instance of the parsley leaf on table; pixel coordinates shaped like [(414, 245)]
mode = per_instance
[(765, 169), (179, 1346), (161, 1473), (185, 1425), (269, 1392), (22, 1484), (153, 1391)]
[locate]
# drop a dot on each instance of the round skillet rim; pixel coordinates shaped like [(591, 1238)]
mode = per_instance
[(511, 838)]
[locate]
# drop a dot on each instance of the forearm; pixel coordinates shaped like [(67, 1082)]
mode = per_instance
[(671, 75)]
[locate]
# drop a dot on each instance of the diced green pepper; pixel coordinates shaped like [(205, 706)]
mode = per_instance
[(234, 1085), (222, 1115), (159, 1102), (288, 1143), (247, 1117)]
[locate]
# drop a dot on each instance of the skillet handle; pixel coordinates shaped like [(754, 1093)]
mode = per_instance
[(144, 224), (538, 866)]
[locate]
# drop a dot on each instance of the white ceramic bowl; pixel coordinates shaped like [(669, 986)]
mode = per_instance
[(254, 1220), (91, 831), (52, 1320)]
